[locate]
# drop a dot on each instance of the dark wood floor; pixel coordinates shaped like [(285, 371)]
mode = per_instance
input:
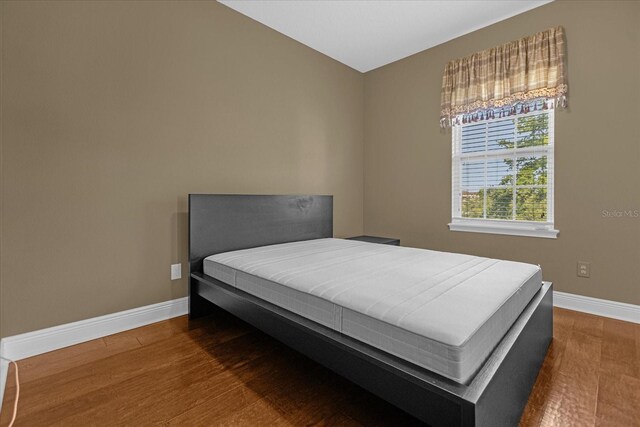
[(219, 371)]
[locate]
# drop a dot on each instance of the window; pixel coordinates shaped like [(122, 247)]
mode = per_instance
[(503, 173)]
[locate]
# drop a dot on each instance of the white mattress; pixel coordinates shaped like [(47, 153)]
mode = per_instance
[(443, 311)]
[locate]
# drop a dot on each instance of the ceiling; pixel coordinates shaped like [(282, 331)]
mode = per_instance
[(369, 34)]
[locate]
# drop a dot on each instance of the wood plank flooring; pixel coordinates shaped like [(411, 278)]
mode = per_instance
[(220, 371)]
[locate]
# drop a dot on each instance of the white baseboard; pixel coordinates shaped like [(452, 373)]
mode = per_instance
[(601, 307), (42, 341), (4, 369), (37, 342)]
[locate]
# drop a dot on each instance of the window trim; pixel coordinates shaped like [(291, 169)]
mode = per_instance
[(492, 226), (507, 227)]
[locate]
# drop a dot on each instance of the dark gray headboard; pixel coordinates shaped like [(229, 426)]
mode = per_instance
[(226, 222)]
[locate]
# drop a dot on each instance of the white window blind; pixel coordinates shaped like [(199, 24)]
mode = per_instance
[(503, 175)]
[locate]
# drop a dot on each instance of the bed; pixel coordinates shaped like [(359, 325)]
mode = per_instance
[(367, 312)]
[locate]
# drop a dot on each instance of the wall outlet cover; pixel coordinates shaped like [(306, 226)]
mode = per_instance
[(176, 271), (584, 269)]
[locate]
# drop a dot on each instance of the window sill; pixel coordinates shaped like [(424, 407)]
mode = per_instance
[(511, 230)]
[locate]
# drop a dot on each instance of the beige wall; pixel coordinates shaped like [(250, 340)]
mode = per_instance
[(408, 166), (113, 112), (1, 159)]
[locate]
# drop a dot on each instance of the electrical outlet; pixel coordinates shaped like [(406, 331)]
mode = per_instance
[(584, 269), (176, 271)]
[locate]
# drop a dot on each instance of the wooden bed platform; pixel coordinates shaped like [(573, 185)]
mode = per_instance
[(495, 397)]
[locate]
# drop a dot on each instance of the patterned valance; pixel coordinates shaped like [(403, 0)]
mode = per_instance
[(505, 76)]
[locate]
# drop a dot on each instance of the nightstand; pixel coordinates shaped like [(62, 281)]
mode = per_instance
[(374, 239)]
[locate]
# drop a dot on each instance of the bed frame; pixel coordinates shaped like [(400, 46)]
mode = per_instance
[(496, 396)]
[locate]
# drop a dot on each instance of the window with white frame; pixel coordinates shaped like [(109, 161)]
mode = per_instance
[(503, 172)]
